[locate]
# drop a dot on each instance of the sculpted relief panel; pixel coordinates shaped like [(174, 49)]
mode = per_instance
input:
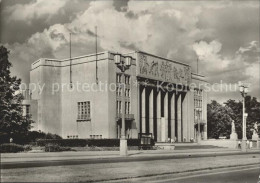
[(163, 70)]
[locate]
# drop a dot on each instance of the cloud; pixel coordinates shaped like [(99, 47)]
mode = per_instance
[(230, 70), (35, 10), (174, 29), (253, 46), (209, 54)]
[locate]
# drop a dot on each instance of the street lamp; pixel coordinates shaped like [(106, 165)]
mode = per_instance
[(123, 63), (243, 90)]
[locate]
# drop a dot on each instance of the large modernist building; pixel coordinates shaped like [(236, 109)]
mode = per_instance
[(81, 97)]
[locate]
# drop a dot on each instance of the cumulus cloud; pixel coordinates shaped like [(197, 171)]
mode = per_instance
[(173, 29), (253, 46), (209, 54), (229, 70), (34, 10)]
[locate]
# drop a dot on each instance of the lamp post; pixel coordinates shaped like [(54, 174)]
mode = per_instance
[(243, 90), (123, 64)]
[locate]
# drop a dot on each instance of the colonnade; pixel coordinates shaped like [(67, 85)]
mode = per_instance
[(166, 114)]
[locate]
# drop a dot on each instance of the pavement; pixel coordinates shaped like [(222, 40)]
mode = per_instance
[(89, 166), (241, 174), (42, 159)]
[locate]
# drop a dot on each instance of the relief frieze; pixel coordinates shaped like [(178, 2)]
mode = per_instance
[(163, 70)]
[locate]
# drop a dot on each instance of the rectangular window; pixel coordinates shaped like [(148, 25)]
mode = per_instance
[(127, 79), (118, 78), (117, 91), (120, 107), (126, 92), (129, 93), (84, 111), (128, 107)]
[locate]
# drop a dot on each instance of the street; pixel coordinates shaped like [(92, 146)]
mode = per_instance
[(145, 166), (243, 174)]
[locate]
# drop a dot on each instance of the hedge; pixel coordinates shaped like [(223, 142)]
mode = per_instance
[(56, 148), (11, 148), (26, 138), (88, 142)]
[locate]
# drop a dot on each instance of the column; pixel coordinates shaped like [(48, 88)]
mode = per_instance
[(143, 111), (118, 131), (205, 132), (204, 103), (165, 103), (139, 119), (191, 115), (179, 118), (173, 116), (151, 116), (158, 116), (185, 117)]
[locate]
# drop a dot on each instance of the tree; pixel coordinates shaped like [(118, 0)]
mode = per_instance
[(219, 120), (221, 116), (252, 108), (236, 115), (12, 121)]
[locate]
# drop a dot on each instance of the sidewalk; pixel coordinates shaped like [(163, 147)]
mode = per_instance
[(134, 154), (108, 165)]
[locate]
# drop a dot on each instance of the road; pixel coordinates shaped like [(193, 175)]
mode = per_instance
[(243, 174), (240, 176), (50, 159), (85, 170)]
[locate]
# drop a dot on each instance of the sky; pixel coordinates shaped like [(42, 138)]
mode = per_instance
[(222, 35)]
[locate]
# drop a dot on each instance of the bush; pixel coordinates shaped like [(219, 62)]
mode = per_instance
[(62, 142), (29, 137), (52, 136), (4, 138), (88, 142), (11, 148), (56, 148), (27, 147)]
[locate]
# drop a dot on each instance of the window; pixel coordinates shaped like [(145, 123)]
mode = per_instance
[(127, 79), (128, 108), (120, 107), (126, 92), (117, 91), (198, 98), (84, 111), (118, 78)]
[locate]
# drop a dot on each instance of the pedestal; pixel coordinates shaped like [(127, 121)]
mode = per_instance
[(198, 139), (233, 136), (123, 147), (243, 146), (255, 137)]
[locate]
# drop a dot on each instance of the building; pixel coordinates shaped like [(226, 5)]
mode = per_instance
[(81, 97)]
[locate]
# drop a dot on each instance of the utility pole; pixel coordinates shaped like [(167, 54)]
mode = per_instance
[(123, 63), (243, 90), (96, 56), (198, 112), (197, 65), (70, 64)]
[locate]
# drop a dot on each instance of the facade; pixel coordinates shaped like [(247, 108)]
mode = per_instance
[(81, 97)]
